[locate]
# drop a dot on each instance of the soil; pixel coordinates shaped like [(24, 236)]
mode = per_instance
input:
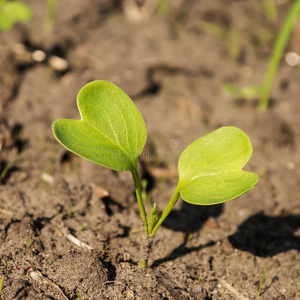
[(174, 72)]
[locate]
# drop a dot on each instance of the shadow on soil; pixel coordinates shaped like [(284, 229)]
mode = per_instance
[(189, 218), (267, 236), (180, 251)]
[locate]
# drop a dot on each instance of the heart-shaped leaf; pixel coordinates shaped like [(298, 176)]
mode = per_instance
[(111, 132), (210, 169), (13, 11)]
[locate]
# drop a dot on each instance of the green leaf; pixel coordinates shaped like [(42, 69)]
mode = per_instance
[(111, 132), (210, 169), (13, 11)]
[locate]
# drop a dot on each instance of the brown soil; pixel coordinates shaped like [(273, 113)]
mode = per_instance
[(174, 72)]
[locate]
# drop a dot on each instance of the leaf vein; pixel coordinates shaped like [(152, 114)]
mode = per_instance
[(113, 142), (110, 125), (126, 130)]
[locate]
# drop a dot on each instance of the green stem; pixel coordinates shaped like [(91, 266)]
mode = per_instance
[(1, 283), (138, 192), (262, 280), (166, 211), (280, 44), (50, 15)]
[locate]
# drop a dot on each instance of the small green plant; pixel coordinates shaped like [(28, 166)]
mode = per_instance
[(163, 7), (242, 93), (270, 10), (112, 133), (27, 240), (6, 169), (83, 226), (50, 15), (263, 91), (280, 44), (1, 283), (262, 280), (78, 295), (12, 12)]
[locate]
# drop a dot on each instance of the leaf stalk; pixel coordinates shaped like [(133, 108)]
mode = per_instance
[(166, 211), (138, 192)]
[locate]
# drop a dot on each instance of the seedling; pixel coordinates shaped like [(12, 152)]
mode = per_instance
[(280, 44), (27, 240), (242, 93), (50, 15), (112, 133), (83, 226), (263, 91), (12, 12), (1, 283), (163, 7), (270, 10), (262, 280)]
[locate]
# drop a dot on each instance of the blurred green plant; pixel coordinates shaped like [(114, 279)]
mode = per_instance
[(242, 93), (12, 12), (264, 91), (1, 283), (270, 10), (83, 226), (27, 240), (50, 15), (231, 37), (262, 281), (280, 44), (163, 7), (78, 295)]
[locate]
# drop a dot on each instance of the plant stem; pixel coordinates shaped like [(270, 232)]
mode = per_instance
[(166, 211), (1, 283), (280, 44), (147, 245), (7, 168), (262, 280), (50, 15), (148, 240), (138, 192)]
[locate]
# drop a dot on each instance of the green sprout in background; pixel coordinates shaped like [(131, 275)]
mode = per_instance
[(12, 12), (280, 44), (262, 281), (112, 133), (263, 92), (270, 10), (27, 240), (1, 283), (50, 15), (78, 295), (163, 7)]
